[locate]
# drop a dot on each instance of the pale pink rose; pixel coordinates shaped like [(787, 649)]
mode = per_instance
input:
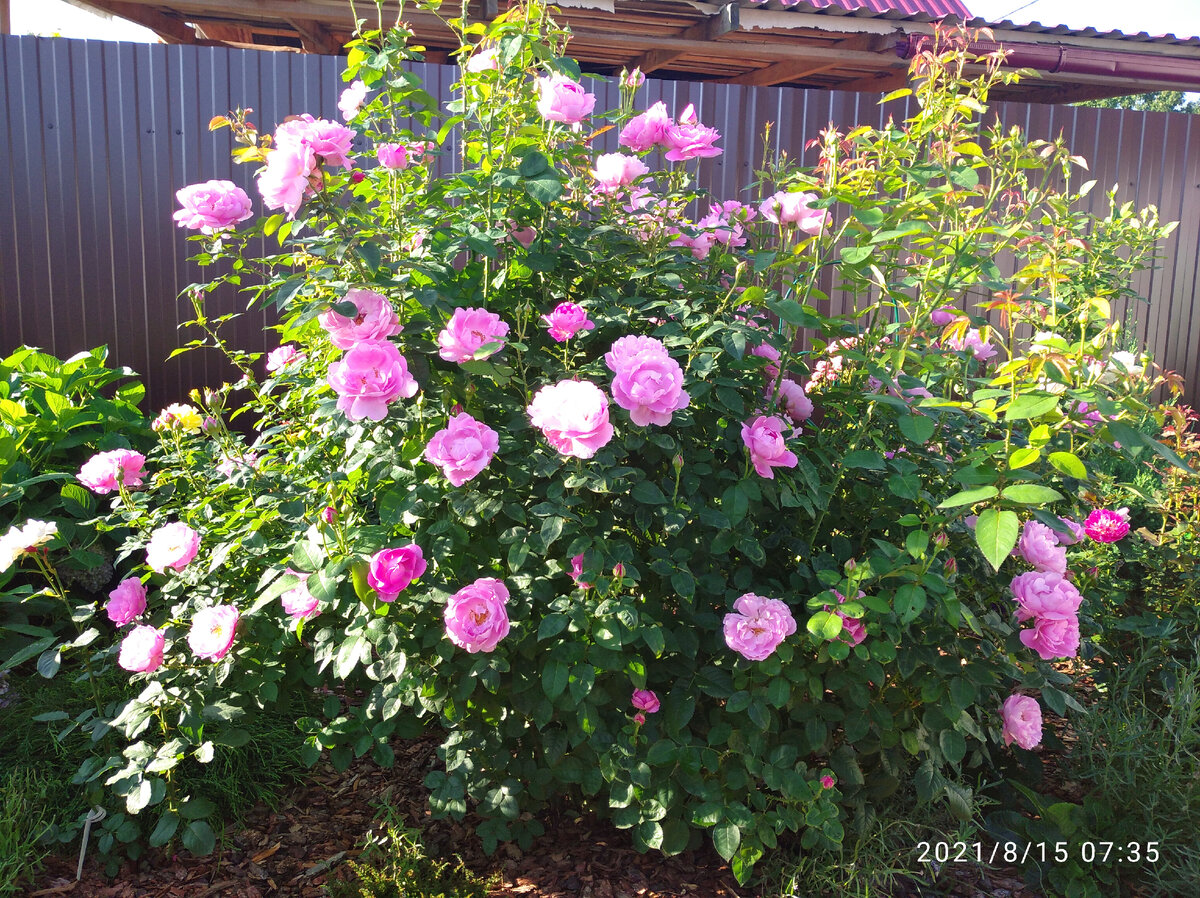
[(467, 332), (758, 626), (688, 139), (142, 650), (475, 616), (1069, 539), (289, 176), (763, 437), (107, 471), (577, 572), (771, 354), (352, 99), (420, 152), (212, 206), (1044, 592), (625, 351), (562, 100), (854, 630), (486, 60), (827, 782), (650, 387), (282, 356), (616, 170), (1039, 546), (1106, 526), (172, 546), (972, 342), (368, 377), (332, 142), (829, 369), (566, 321), (943, 315), (795, 208), (392, 570), (573, 416), (524, 236), (700, 244), (725, 222), (1053, 636), (647, 130), (392, 155), (376, 319), (1022, 718), (127, 602), (212, 632), (230, 464), (298, 602), (796, 404), (646, 700), (463, 448)]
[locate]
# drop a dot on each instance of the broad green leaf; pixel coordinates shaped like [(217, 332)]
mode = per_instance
[(726, 838), (1023, 458), (1030, 405), (199, 839), (970, 497), (918, 428), (1030, 494), (1069, 464), (996, 533), (825, 625)]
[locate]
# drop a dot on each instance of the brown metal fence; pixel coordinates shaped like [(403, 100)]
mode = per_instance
[(98, 136)]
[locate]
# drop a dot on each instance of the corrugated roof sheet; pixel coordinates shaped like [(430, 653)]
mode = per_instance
[(934, 8)]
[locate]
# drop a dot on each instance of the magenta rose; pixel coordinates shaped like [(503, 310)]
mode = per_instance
[(577, 572), (282, 356), (646, 700), (172, 546), (854, 630), (392, 570), (298, 602), (289, 176), (943, 315), (758, 626), (616, 170), (332, 142), (1069, 539), (764, 440), (562, 100), (1044, 592), (1022, 718), (107, 471), (463, 448), (1039, 546), (212, 632), (368, 377), (573, 416), (127, 602), (566, 321), (1106, 526), (352, 99), (212, 206), (392, 155), (645, 131), (142, 650), (795, 209), (688, 139), (650, 387), (467, 333), (375, 320), (475, 616)]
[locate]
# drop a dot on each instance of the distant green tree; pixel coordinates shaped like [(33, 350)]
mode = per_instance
[(1158, 101)]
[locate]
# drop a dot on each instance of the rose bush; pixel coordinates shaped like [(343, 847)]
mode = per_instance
[(522, 477)]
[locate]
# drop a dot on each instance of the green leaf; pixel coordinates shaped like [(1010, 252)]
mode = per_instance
[(971, 496), (551, 625), (918, 428), (1030, 405), (1030, 494), (1023, 458), (855, 255), (164, 830), (1069, 463), (954, 747), (196, 808), (864, 458), (48, 663), (648, 493), (199, 839), (726, 838), (825, 625), (910, 602), (349, 654), (996, 534), (554, 679)]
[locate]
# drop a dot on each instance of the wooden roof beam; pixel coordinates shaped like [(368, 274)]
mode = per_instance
[(315, 37), (169, 28), (780, 72), (725, 21)]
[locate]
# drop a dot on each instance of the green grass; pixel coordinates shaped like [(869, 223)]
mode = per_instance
[(23, 820)]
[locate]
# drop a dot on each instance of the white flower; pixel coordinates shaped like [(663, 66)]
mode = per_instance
[(19, 541)]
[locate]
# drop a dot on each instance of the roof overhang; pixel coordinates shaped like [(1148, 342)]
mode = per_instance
[(741, 42)]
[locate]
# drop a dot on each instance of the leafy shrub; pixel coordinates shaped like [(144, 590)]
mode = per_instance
[(701, 605)]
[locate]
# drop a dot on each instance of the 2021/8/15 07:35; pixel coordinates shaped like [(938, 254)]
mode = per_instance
[(1058, 852)]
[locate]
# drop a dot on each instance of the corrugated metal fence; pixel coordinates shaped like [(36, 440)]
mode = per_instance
[(98, 136)]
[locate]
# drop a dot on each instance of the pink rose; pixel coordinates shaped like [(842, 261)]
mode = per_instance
[(625, 351), (392, 570), (577, 572), (827, 782), (616, 170), (475, 616), (796, 404), (573, 416), (972, 342), (392, 155), (289, 176), (646, 700), (784, 208), (332, 142), (1069, 539), (463, 448), (943, 315), (107, 471), (764, 439), (563, 100), (1044, 592), (1022, 718), (467, 332), (524, 236), (352, 99), (212, 206), (1039, 546), (1053, 636), (142, 650), (282, 356), (487, 60), (566, 321), (368, 377), (758, 626), (1106, 526), (127, 602), (688, 139), (648, 384), (376, 319), (854, 630), (647, 130), (212, 632), (172, 546), (231, 463), (298, 602)]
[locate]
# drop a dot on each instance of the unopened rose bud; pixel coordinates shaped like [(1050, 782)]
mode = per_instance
[(357, 177), (827, 781), (1093, 571), (618, 570), (951, 566), (677, 462), (209, 424), (639, 718), (329, 514), (941, 540), (850, 565), (457, 409)]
